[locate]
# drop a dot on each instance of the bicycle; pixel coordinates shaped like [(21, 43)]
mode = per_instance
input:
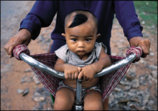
[(21, 52)]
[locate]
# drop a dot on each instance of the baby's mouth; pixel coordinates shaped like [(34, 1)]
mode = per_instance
[(80, 52)]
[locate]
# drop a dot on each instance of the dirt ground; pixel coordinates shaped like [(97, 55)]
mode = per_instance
[(12, 70)]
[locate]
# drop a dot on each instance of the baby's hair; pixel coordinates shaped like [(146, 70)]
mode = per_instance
[(80, 17)]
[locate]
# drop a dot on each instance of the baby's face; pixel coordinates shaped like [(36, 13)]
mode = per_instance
[(81, 39)]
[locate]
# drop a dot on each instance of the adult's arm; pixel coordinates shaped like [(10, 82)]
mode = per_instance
[(128, 19), (41, 15)]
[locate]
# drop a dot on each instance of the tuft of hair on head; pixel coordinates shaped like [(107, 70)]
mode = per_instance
[(78, 20), (78, 17)]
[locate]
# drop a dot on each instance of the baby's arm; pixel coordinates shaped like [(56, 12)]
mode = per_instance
[(70, 71), (104, 61), (90, 70)]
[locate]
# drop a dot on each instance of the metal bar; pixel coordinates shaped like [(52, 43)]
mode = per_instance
[(78, 92), (117, 65), (31, 61), (78, 103), (34, 63)]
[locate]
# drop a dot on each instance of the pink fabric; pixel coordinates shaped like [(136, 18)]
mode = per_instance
[(135, 50), (19, 49), (108, 82)]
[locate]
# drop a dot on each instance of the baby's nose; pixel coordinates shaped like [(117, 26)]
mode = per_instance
[(80, 44)]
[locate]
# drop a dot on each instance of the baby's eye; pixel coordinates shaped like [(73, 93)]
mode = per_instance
[(88, 40), (74, 40)]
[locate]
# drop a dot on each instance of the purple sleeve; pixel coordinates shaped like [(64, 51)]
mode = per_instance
[(127, 17), (41, 15)]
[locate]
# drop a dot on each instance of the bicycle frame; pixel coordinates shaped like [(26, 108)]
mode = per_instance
[(78, 103)]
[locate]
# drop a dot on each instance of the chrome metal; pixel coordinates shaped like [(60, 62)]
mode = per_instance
[(79, 92), (31, 61), (117, 65), (78, 107), (34, 63)]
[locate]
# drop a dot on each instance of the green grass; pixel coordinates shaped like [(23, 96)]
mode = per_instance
[(147, 13)]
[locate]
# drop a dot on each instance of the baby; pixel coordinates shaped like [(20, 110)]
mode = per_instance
[(81, 58)]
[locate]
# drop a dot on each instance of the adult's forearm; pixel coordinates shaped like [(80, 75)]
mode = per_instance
[(25, 32), (22, 37)]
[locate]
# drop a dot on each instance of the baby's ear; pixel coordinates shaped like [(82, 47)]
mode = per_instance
[(98, 35), (63, 34)]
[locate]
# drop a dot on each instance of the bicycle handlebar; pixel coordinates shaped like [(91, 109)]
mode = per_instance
[(133, 53), (31, 61)]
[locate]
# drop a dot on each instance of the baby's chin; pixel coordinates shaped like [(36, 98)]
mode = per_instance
[(82, 55)]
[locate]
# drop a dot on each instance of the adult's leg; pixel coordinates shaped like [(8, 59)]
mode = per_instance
[(93, 101), (64, 99)]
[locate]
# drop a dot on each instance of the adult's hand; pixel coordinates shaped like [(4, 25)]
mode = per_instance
[(22, 37), (141, 42)]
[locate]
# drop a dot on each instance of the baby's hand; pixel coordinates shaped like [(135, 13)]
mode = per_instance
[(71, 72), (87, 72)]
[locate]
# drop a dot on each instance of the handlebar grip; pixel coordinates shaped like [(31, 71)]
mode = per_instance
[(19, 49), (135, 50)]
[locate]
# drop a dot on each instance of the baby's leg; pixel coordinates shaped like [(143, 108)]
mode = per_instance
[(106, 103), (93, 101), (64, 99)]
